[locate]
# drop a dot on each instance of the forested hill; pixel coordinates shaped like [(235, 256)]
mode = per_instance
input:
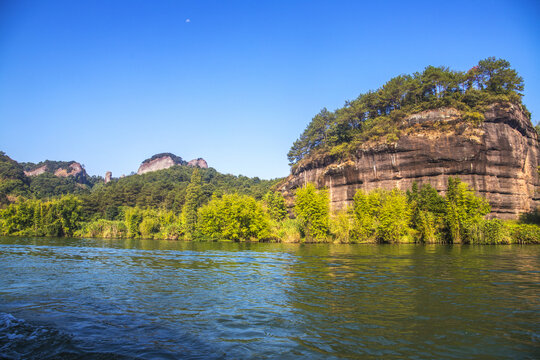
[(158, 189), (376, 116)]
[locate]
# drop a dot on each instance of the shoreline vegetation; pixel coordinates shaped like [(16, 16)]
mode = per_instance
[(419, 215), (202, 204)]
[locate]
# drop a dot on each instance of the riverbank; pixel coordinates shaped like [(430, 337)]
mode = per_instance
[(420, 215)]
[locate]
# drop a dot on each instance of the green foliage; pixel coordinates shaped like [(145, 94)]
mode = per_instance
[(287, 231), (194, 199), (12, 179), (312, 209), (102, 228), (168, 189), (275, 205), (48, 185), (133, 218), (488, 232), (61, 217), (233, 217), (342, 226), (376, 115), (463, 210), (524, 233), (381, 215), (421, 215), (474, 117), (427, 212)]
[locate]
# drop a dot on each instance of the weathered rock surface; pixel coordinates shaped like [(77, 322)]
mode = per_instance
[(166, 160), (60, 169), (72, 170), (499, 159), (199, 162), (38, 171), (108, 177), (160, 162)]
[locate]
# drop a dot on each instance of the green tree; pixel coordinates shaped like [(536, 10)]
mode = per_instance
[(233, 217), (381, 215), (275, 203), (463, 209), (133, 217), (313, 209), (194, 199), (496, 76)]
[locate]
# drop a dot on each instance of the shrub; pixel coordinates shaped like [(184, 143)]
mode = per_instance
[(463, 209), (525, 233), (233, 217), (312, 209), (381, 215), (342, 226), (102, 228)]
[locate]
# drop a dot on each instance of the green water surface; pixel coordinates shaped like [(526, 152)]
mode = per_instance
[(146, 299)]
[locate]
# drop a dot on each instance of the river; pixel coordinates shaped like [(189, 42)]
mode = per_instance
[(145, 299)]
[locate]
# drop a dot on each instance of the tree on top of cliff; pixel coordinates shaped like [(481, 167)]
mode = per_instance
[(376, 114)]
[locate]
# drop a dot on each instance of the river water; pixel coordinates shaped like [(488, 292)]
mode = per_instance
[(143, 299)]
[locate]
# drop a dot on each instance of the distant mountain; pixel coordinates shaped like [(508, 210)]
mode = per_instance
[(166, 160)]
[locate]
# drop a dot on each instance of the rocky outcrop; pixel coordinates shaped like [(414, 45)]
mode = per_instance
[(166, 160), (108, 177), (58, 168), (498, 158), (199, 162), (160, 162), (73, 169), (37, 171)]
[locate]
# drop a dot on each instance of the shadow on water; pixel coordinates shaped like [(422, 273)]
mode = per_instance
[(92, 298)]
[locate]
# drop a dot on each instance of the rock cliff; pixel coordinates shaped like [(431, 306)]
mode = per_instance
[(166, 160), (58, 168), (199, 162), (159, 162), (499, 159)]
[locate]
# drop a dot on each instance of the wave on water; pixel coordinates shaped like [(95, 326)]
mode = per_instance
[(20, 339)]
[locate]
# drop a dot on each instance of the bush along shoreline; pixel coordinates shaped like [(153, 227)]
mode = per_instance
[(419, 215)]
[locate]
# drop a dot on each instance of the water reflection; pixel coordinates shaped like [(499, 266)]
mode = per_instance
[(229, 300)]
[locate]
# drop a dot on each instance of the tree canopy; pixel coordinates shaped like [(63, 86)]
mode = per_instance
[(377, 113)]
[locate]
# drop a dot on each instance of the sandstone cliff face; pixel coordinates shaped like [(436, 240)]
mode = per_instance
[(499, 160), (72, 168), (199, 162), (38, 171), (159, 163), (166, 160)]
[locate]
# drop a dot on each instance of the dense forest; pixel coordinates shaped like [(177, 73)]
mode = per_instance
[(377, 115)]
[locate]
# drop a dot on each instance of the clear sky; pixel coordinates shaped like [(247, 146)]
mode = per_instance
[(110, 83)]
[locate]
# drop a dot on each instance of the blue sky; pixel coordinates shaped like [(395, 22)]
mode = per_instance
[(110, 83)]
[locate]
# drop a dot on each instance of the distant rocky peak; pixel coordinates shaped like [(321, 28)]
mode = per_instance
[(58, 168), (160, 162), (199, 162)]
